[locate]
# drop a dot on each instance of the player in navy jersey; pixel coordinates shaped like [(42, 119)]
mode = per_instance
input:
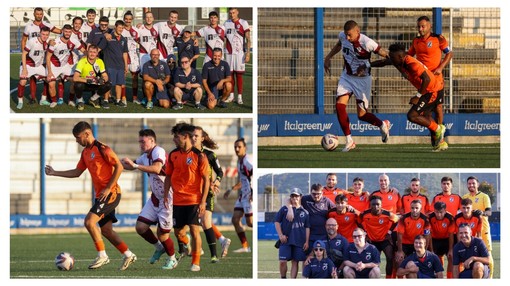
[(421, 263), (188, 85), (293, 234), (362, 259), (336, 245), (472, 253), (216, 79), (356, 79)]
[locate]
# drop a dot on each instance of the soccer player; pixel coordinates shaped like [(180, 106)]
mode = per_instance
[(409, 226), (77, 36), (238, 44), (116, 61), (362, 259), (216, 80), (336, 245), (442, 231), (200, 140), (379, 225), (390, 196), (156, 75), (482, 203), (32, 64), (132, 38), (428, 49), (472, 253), (243, 204), (168, 32), (187, 175), (452, 201), (186, 46), (90, 75), (330, 190), (320, 265), (427, 85), (293, 234), (356, 79), (105, 169), (152, 161), (89, 25), (415, 194), (345, 216), (421, 263), (188, 85), (213, 34), (468, 216), (358, 199), (59, 63), (147, 38)]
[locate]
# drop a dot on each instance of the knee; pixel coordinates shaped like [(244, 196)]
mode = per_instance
[(375, 272), (141, 228), (79, 86)]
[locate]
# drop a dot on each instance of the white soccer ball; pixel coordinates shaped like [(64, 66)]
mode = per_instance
[(329, 142), (64, 261)]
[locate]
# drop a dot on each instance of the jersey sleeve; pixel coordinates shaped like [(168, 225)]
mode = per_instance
[(443, 44), (81, 164), (101, 65), (159, 156), (169, 166), (110, 156), (215, 164), (204, 165)]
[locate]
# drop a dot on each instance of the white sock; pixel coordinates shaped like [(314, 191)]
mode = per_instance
[(20, 99), (95, 96), (221, 239), (158, 245), (102, 253), (348, 138), (43, 97), (79, 100), (127, 253)]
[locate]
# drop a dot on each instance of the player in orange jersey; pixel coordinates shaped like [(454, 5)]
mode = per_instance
[(346, 217), (414, 195), (105, 169), (452, 201), (410, 225), (330, 191), (389, 195), (442, 231), (468, 216), (358, 199)]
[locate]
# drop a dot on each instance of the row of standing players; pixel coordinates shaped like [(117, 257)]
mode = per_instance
[(405, 228), (183, 194), (119, 48)]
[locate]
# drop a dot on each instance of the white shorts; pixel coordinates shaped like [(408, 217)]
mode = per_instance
[(134, 66), (161, 215), (360, 86), (63, 71), (244, 202), (40, 70), (236, 62)]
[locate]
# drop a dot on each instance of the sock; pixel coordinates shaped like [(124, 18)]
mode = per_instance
[(242, 238), (169, 247), (149, 237), (71, 96), (123, 92), (217, 233), (60, 90), (372, 119), (433, 126), (211, 241), (343, 118), (122, 247), (449, 275), (21, 91), (99, 245), (239, 78), (95, 96), (195, 257), (45, 89), (33, 87)]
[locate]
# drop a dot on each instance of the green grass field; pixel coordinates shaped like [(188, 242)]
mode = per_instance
[(32, 256), (247, 107), (379, 156), (268, 260)]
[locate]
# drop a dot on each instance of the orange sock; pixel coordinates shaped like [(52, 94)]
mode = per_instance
[(217, 232), (432, 126), (99, 245), (184, 239), (122, 247), (195, 257)]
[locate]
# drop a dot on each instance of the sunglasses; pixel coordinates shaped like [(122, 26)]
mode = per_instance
[(357, 236), (318, 249), (316, 194)]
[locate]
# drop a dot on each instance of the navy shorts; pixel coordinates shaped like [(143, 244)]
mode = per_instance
[(291, 252), (186, 215), (106, 209), (116, 76)]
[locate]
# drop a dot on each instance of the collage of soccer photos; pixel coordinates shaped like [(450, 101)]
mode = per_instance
[(255, 142)]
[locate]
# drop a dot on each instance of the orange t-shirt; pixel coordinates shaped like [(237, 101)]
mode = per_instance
[(186, 170), (441, 229), (410, 227), (452, 202), (429, 50), (414, 69), (332, 193), (408, 198), (347, 222), (390, 200), (99, 159), (360, 203), (475, 222), (377, 226)]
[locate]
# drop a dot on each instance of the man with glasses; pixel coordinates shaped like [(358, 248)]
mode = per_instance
[(187, 85), (156, 75), (100, 35), (421, 263), (293, 234), (336, 245), (472, 253), (362, 259)]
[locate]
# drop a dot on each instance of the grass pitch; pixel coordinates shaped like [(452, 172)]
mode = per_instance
[(32, 257), (268, 261), (381, 156)]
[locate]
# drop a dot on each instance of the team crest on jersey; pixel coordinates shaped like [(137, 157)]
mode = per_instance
[(338, 243), (429, 44), (346, 218), (188, 161), (418, 226), (381, 221), (92, 155), (429, 264), (444, 225), (451, 199), (324, 266), (322, 206), (390, 197), (302, 215), (222, 68), (368, 257), (193, 78)]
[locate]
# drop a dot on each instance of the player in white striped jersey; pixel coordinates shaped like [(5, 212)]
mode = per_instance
[(32, 63), (132, 37), (167, 32), (238, 50), (148, 40), (59, 63), (77, 54), (88, 26), (356, 79), (213, 34)]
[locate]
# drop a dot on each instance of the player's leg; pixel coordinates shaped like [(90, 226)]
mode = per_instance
[(390, 260), (349, 272), (236, 221), (375, 273), (21, 92), (134, 86), (90, 223), (415, 115), (207, 225), (411, 265), (343, 120), (178, 94), (197, 95), (52, 88)]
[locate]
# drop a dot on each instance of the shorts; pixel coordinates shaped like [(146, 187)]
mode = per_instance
[(408, 249), (236, 62), (468, 273), (209, 202), (31, 71), (188, 95), (288, 252), (64, 71), (424, 105), (441, 246), (106, 210), (361, 87), (116, 76), (243, 203), (381, 245), (155, 212), (161, 95), (363, 273), (134, 62), (185, 215)]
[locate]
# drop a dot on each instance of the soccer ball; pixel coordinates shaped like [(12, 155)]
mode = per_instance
[(329, 142), (64, 261)]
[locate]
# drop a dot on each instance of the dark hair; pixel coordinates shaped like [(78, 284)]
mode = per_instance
[(104, 19), (426, 18), (375, 197), (67, 27), (466, 201), (183, 128), (349, 25), (415, 180), (91, 11), (472, 178), (92, 46), (173, 12), (147, 133), (358, 179), (420, 237), (213, 13), (330, 174), (78, 19), (415, 202), (218, 50), (80, 127), (439, 206), (240, 140), (128, 13), (208, 142), (444, 179), (119, 23), (340, 198), (397, 48), (38, 9), (316, 187), (45, 29)]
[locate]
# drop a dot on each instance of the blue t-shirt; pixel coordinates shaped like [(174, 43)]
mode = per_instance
[(158, 71), (461, 252), (319, 269), (318, 215), (368, 255), (298, 226), (187, 49), (339, 243), (429, 265), (113, 53), (193, 77), (213, 74)]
